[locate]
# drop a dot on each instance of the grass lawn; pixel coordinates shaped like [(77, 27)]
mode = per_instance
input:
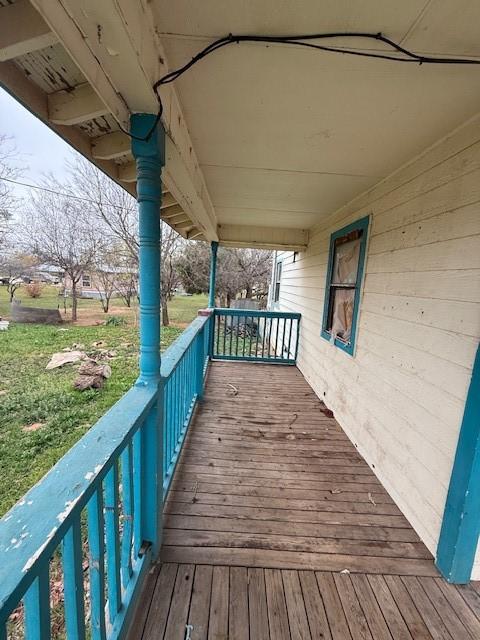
[(29, 394)]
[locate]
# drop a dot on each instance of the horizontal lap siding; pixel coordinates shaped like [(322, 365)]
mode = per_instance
[(401, 398)]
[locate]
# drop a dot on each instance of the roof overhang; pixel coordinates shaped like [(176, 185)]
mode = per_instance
[(263, 143)]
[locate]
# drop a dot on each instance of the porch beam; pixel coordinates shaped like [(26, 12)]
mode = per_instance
[(213, 274), (111, 146), (75, 106), (127, 172), (182, 225), (22, 30), (124, 81), (171, 212), (460, 530), (167, 201), (73, 39), (17, 84), (284, 239)]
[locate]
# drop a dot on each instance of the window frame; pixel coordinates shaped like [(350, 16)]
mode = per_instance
[(359, 225), (278, 265), (87, 278)]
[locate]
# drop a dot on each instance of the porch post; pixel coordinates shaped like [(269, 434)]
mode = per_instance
[(461, 518), (213, 275), (150, 157)]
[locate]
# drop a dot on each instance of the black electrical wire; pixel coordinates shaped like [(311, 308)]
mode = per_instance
[(303, 41)]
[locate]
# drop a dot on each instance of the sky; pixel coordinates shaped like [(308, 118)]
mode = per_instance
[(40, 150)]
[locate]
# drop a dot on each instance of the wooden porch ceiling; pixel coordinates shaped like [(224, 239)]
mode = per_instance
[(263, 142), (275, 528)]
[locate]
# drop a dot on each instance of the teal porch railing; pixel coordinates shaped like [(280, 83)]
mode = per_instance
[(252, 335), (99, 508), (94, 507)]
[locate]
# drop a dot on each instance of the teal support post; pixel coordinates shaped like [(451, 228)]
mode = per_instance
[(461, 518), (150, 158), (213, 275)]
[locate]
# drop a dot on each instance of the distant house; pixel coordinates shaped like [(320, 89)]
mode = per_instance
[(93, 283)]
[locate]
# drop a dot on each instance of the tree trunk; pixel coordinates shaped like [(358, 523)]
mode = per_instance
[(74, 301), (165, 318)]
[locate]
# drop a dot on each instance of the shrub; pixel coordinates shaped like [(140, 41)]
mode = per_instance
[(34, 289), (115, 321)]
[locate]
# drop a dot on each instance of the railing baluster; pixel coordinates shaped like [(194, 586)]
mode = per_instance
[(283, 338), (127, 533), (96, 545), (37, 606), (72, 556), (113, 542), (290, 339), (224, 333)]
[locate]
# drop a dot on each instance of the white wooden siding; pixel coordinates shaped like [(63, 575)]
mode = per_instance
[(401, 397)]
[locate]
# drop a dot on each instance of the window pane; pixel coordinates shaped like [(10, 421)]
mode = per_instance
[(345, 262), (341, 313)]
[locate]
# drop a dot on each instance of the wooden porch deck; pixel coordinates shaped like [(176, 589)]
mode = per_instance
[(275, 527)]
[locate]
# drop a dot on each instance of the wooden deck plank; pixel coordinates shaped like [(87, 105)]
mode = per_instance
[(199, 613), (277, 608), (391, 613), (297, 615), (257, 605), (218, 626), (288, 493), (353, 611), (238, 605), (453, 623), (297, 560), (160, 607), (314, 606), (369, 604), (180, 605), (407, 608), (426, 609), (198, 538), (333, 607)]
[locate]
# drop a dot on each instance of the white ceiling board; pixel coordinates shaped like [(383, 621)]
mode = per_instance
[(294, 109), (280, 190), (216, 18), (451, 28), (286, 135), (269, 218)]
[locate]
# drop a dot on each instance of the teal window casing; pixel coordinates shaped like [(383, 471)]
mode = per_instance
[(277, 278), (355, 230)]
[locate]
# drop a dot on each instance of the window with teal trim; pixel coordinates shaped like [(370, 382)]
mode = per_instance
[(346, 260)]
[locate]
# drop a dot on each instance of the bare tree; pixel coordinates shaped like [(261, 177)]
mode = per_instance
[(240, 272), (169, 274), (59, 230), (116, 210), (193, 266), (9, 170), (16, 265), (113, 207)]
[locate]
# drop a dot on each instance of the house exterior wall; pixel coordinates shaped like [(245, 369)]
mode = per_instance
[(401, 397)]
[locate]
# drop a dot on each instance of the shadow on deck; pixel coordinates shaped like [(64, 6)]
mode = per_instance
[(275, 527)]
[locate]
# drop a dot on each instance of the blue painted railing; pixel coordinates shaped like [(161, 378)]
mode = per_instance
[(94, 507), (252, 335)]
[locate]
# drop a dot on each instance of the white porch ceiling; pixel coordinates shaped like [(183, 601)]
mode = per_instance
[(264, 142), (286, 135)]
